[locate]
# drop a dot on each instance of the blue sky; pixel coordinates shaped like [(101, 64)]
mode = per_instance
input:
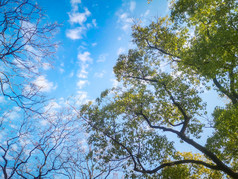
[(92, 35)]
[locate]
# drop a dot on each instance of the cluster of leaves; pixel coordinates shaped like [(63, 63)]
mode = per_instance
[(189, 170), (224, 139)]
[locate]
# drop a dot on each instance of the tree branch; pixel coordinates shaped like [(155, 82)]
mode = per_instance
[(214, 167), (224, 91), (199, 147)]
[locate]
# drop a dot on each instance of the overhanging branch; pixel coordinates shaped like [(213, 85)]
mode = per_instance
[(169, 164)]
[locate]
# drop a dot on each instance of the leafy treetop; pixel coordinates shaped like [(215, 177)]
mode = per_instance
[(137, 124)]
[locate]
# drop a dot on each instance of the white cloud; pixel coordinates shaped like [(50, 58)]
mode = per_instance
[(27, 29), (131, 45), (125, 21), (52, 110), (83, 73), (43, 84), (82, 94), (146, 13), (61, 70), (74, 4), (99, 74), (115, 83), (52, 106), (94, 44), (79, 18), (14, 113), (132, 6), (75, 1), (76, 17), (124, 17), (81, 97), (26, 65), (88, 25), (85, 57), (125, 27), (119, 38), (76, 33), (71, 74), (44, 122), (46, 66), (102, 57), (2, 100), (120, 51), (94, 22), (81, 83)]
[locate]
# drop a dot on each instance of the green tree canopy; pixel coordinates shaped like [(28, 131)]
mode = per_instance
[(138, 123)]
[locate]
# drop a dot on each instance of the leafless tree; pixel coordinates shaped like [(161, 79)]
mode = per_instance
[(84, 163), (26, 46), (35, 142), (36, 148), (49, 147)]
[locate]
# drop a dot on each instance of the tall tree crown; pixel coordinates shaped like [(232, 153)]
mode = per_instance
[(176, 59)]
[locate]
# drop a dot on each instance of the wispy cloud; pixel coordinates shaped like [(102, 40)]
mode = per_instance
[(76, 33), (12, 114), (79, 18), (94, 44), (52, 105), (83, 73), (75, 1), (71, 74), (2, 100), (102, 57), (147, 12), (115, 83), (81, 97), (99, 74), (61, 70), (132, 6), (120, 51), (84, 57), (82, 83), (74, 4), (43, 84), (125, 21), (124, 15), (46, 66), (94, 22)]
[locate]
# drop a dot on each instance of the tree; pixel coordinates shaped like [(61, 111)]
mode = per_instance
[(46, 145), (37, 137), (25, 47), (137, 123), (85, 164), (36, 148)]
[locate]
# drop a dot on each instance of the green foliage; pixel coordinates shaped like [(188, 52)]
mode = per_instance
[(189, 171), (225, 138), (137, 123)]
